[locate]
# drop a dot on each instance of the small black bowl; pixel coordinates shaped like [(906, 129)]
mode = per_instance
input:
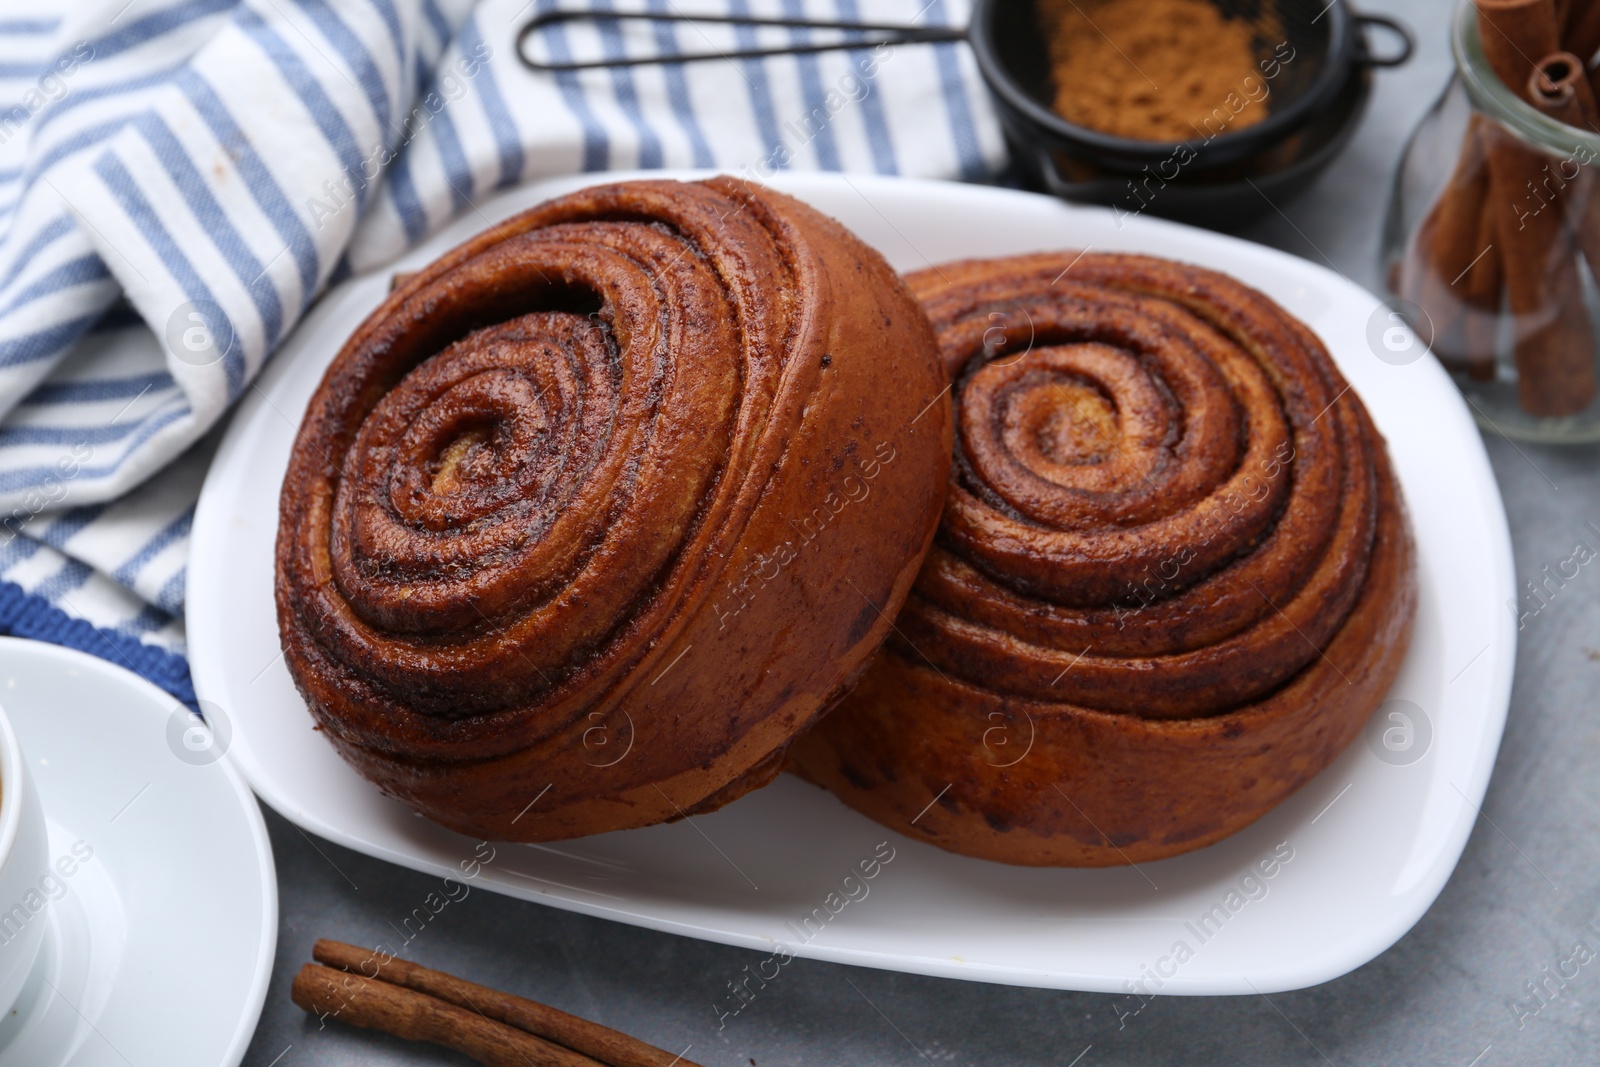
[(1316, 98), (1222, 198)]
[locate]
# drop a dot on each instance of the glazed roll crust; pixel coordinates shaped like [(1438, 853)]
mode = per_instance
[(541, 569), (1173, 578)]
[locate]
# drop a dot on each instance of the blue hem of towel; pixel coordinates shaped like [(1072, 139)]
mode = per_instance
[(23, 614)]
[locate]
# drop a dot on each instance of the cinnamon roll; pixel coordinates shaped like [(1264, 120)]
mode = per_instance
[(594, 514), (1173, 578)]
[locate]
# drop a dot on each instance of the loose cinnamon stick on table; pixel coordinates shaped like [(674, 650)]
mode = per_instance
[(609, 1046), (376, 1005)]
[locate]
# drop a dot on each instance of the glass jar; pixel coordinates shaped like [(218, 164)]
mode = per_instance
[(1494, 206)]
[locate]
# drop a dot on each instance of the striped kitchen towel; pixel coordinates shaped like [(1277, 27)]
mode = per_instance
[(179, 179)]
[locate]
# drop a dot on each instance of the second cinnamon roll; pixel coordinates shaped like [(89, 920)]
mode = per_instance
[(1173, 578)]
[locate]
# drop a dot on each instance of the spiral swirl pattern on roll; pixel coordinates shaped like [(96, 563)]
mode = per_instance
[(524, 485), (1166, 513)]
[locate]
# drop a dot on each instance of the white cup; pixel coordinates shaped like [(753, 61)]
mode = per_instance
[(24, 861)]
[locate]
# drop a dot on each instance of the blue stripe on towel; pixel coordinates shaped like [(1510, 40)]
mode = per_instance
[(24, 615)]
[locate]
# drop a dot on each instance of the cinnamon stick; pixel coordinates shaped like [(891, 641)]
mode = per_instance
[(1554, 340), (1454, 268), (1560, 89), (414, 1016), (1485, 293), (1580, 29), (602, 1043), (1515, 34), (1455, 238)]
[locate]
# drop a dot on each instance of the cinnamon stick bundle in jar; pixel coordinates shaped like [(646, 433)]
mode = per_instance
[(1504, 235)]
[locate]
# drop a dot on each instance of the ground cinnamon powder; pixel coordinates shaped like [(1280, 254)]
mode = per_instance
[(1153, 70)]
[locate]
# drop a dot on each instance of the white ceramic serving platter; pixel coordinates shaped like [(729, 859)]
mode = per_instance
[(1373, 839), (160, 943)]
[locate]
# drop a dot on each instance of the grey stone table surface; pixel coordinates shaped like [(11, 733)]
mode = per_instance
[(1523, 894)]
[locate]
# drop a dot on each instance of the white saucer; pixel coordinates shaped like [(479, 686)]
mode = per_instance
[(159, 949), (1373, 838)]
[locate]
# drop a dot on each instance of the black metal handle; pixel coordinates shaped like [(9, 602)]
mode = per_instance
[(886, 33), (1364, 56)]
